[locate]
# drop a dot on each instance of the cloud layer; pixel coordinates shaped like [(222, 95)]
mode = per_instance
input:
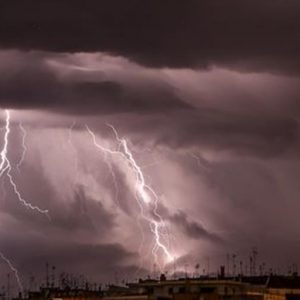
[(248, 35), (207, 96)]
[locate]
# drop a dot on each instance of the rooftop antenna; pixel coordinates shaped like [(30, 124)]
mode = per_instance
[(174, 268), (241, 267), (295, 269), (254, 255), (263, 265), (233, 264), (154, 270), (3, 295), (246, 269), (251, 265), (53, 277), (227, 264), (8, 286), (31, 282), (47, 275), (197, 266), (185, 270), (208, 266)]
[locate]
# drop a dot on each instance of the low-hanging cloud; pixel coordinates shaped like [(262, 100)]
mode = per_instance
[(248, 35), (32, 84)]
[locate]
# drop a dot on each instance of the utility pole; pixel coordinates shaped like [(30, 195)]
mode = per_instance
[(47, 275), (53, 277), (227, 264), (251, 265), (8, 286), (208, 266), (233, 264), (241, 268), (254, 255)]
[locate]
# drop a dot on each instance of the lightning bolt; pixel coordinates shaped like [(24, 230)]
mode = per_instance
[(108, 163), (5, 167), (70, 141), (14, 270), (24, 134), (146, 197), (115, 182), (144, 192)]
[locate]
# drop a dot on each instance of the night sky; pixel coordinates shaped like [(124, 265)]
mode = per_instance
[(207, 96)]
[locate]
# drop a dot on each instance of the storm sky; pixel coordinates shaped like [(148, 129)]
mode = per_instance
[(206, 93)]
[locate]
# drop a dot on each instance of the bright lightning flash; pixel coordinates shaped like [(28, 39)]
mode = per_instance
[(145, 195), (5, 167), (24, 134)]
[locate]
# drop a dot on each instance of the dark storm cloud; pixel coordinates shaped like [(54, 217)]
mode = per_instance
[(242, 133), (245, 125), (83, 216), (97, 261), (169, 117), (252, 34), (193, 229), (29, 83)]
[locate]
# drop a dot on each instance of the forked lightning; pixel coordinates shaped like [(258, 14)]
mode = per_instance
[(144, 194), (5, 169)]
